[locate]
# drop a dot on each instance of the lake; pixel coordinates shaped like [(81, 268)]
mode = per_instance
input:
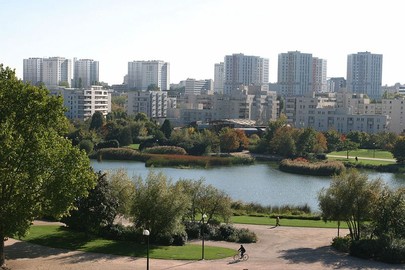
[(260, 183)]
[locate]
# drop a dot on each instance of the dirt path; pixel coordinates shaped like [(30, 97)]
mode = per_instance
[(278, 248)]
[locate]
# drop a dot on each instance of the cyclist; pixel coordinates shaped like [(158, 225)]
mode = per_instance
[(242, 251)]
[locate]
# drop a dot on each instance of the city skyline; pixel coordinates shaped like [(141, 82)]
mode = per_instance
[(195, 35)]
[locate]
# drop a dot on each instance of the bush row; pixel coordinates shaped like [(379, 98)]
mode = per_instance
[(163, 160), (386, 251), (174, 150), (324, 168), (391, 168), (240, 208), (223, 232)]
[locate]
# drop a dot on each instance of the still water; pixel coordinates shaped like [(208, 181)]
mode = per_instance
[(260, 183)]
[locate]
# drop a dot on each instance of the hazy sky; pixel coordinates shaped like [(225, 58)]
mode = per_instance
[(193, 35)]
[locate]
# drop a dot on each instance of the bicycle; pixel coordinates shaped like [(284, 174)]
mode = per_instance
[(237, 257)]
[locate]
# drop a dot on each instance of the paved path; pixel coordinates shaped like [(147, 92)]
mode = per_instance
[(278, 248)]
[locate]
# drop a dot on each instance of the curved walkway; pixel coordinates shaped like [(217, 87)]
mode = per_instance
[(278, 248)]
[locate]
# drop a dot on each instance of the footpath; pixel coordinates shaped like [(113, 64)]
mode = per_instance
[(286, 248)]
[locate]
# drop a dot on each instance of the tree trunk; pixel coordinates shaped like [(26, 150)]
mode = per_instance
[(2, 256)]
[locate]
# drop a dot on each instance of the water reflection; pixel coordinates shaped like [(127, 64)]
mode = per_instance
[(261, 183)]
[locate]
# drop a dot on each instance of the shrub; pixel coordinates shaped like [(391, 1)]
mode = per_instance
[(86, 145), (171, 150), (165, 239), (341, 243), (225, 231), (246, 236), (394, 252), (365, 248), (108, 144), (193, 229), (324, 168), (180, 238)]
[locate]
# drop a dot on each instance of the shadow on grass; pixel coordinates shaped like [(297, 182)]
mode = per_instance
[(64, 240), (332, 259)]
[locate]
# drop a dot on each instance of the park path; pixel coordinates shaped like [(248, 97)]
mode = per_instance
[(286, 248)]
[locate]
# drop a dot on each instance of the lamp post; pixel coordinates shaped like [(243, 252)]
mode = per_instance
[(204, 216), (146, 233), (374, 150)]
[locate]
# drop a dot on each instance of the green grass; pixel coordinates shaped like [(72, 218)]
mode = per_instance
[(134, 146), (366, 153), (286, 222), (60, 237)]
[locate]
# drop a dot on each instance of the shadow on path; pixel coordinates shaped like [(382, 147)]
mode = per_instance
[(332, 259)]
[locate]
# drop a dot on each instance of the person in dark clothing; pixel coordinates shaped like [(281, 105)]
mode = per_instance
[(242, 251)]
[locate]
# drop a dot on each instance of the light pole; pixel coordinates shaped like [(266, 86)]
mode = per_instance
[(374, 150), (204, 216), (146, 233)]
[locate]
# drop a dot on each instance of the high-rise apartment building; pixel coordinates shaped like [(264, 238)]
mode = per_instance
[(243, 70), (319, 68), (295, 73), (32, 70), (56, 71), (85, 73), (142, 74), (219, 76), (364, 74)]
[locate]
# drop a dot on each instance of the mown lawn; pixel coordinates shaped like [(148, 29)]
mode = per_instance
[(366, 153), (286, 222), (61, 237)]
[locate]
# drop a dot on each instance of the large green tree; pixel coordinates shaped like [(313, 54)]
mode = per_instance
[(95, 211), (41, 173), (351, 197), (159, 205), (206, 199)]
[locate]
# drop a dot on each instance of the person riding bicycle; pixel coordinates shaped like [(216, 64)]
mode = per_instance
[(242, 251)]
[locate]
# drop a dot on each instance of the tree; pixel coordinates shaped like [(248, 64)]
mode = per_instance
[(228, 140), (123, 189), (153, 87), (206, 199), (389, 215), (283, 142), (333, 139), (351, 197), (166, 128), (348, 146), (41, 172), (97, 120), (321, 145), (398, 151), (158, 205), (95, 211), (306, 142)]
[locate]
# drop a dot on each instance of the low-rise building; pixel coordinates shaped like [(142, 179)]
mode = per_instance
[(83, 103)]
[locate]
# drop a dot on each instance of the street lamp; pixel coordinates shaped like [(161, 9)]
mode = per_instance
[(204, 216), (374, 150), (146, 233)]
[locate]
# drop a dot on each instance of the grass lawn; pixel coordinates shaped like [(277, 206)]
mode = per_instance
[(60, 237), (286, 222), (366, 153), (134, 146)]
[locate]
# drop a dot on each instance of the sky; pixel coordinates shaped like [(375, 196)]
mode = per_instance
[(193, 35)]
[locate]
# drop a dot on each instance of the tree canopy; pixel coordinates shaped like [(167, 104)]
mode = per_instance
[(41, 173)]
